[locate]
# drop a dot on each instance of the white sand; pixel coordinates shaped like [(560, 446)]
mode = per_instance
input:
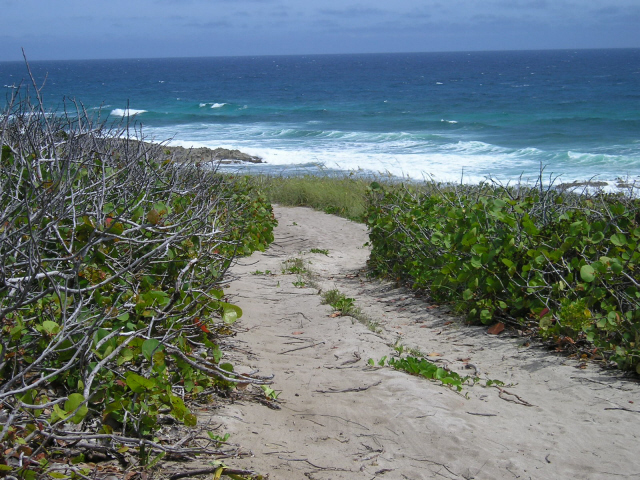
[(405, 427)]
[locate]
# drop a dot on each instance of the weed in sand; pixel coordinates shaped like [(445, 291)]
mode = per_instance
[(269, 392), (424, 368), (260, 272), (346, 306), (294, 266), (219, 439), (331, 296), (300, 283), (320, 250)]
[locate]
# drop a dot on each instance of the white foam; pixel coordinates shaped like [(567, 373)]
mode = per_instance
[(398, 153), (126, 112), (448, 121), (213, 105)]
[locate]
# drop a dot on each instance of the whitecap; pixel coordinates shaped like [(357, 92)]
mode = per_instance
[(126, 112), (448, 121), (439, 83), (218, 105)]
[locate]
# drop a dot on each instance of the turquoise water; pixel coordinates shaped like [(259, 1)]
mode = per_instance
[(446, 115)]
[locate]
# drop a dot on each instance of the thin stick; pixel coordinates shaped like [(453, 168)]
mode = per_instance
[(355, 389), (300, 348), (519, 400), (623, 408)]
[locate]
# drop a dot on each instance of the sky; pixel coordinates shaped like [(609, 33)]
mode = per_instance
[(86, 29)]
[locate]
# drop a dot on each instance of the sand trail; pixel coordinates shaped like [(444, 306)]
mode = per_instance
[(340, 419)]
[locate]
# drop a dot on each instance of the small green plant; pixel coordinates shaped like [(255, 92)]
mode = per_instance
[(300, 283), (331, 296), (400, 349), (320, 250), (424, 368), (344, 305), (219, 439), (294, 266), (269, 392), (260, 272)]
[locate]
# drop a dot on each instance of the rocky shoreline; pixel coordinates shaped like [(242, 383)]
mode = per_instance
[(224, 156)]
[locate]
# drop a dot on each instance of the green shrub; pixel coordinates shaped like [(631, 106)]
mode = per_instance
[(111, 265), (570, 263)]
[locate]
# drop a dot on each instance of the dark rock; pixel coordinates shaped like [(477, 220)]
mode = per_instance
[(204, 154)]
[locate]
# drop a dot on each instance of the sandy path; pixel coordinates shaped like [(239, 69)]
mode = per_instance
[(404, 427)]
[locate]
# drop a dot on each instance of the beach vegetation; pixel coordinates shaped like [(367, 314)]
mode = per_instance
[(563, 264), (295, 266), (342, 195), (112, 309), (346, 306)]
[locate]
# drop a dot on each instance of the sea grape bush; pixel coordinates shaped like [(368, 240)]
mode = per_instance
[(111, 306), (568, 262)]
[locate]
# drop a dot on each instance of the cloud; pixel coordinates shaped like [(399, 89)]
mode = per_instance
[(625, 14), (525, 4), (355, 11), (212, 24)]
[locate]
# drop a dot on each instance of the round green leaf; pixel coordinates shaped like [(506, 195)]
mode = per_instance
[(618, 239), (230, 313), (616, 267), (139, 384), (74, 401), (50, 328), (151, 346), (190, 420), (587, 273)]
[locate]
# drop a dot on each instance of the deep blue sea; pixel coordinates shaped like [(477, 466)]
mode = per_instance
[(452, 116)]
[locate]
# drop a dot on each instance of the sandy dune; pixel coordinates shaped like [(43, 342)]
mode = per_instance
[(341, 419)]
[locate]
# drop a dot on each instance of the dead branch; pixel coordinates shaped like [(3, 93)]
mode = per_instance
[(356, 389), (301, 348), (516, 398)]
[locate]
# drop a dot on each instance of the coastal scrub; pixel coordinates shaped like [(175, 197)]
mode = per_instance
[(112, 309), (568, 264)]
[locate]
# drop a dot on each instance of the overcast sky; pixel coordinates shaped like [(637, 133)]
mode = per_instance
[(79, 29)]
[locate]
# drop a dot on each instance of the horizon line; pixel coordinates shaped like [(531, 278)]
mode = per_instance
[(325, 54)]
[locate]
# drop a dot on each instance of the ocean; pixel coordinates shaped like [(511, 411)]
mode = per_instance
[(464, 116)]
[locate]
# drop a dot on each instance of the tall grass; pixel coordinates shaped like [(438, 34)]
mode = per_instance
[(344, 195)]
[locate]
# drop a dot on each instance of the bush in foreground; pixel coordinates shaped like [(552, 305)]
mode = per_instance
[(111, 308)]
